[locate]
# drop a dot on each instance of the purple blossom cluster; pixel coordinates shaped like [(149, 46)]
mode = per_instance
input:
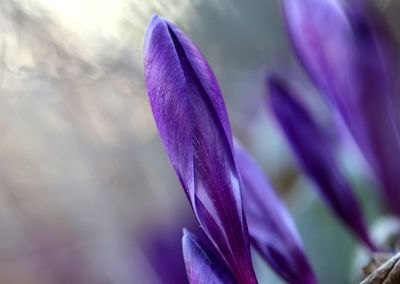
[(348, 52)]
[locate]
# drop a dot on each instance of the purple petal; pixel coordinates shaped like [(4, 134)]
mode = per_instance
[(272, 230), (315, 152), (191, 117), (201, 266), (160, 242), (348, 51)]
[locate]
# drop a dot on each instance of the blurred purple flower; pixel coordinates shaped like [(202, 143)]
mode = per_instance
[(272, 230), (161, 244), (201, 266), (315, 152), (348, 51), (191, 117)]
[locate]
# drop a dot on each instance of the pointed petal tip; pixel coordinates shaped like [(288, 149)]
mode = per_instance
[(154, 21), (201, 265), (272, 78), (278, 94), (275, 84), (186, 235)]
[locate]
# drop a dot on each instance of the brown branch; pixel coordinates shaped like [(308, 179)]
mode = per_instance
[(387, 273)]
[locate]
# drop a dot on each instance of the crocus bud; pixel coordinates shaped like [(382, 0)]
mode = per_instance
[(272, 230), (315, 152), (347, 49), (201, 265), (193, 124)]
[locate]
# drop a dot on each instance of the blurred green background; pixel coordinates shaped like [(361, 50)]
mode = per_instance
[(84, 179)]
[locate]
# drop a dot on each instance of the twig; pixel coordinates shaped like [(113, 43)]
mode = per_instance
[(387, 273)]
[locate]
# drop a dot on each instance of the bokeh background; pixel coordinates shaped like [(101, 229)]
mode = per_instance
[(87, 194)]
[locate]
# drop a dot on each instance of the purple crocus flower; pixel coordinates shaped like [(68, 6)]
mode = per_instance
[(191, 117), (201, 265), (272, 230), (347, 49), (315, 152)]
